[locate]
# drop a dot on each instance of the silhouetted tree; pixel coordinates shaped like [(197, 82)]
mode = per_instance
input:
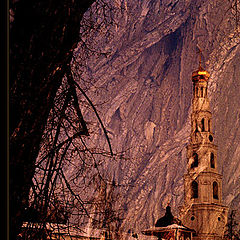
[(106, 214), (43, 36), (232, 230)]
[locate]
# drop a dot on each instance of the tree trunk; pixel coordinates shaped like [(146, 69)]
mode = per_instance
[(43, 35)]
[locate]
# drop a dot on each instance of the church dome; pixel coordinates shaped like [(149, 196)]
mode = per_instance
[(200, 74), (167, 219)]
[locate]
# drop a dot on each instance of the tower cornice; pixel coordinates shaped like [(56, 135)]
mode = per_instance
[(198, 145), (194, 174)]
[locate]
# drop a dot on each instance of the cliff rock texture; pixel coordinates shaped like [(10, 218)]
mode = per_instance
[(143, 92)]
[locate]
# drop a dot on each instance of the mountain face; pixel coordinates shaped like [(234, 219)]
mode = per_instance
[(143, 91)]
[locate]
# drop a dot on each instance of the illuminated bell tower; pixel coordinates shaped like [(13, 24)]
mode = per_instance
[(203, 210)]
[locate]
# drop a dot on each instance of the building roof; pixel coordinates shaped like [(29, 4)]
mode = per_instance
[(156, 230), (166, 223), (167, 219), (66, 230)]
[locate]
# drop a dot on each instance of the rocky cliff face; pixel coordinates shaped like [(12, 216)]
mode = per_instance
[(143, 91)]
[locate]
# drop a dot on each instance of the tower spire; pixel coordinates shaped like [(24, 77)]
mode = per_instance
[(200, 62), (203, 209)]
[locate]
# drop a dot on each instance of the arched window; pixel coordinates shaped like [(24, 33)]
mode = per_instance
[(203, 125), (195, 160), (201, 91), (212, 162), (194, 189), (196, 129), (215, 190), (209, 125)]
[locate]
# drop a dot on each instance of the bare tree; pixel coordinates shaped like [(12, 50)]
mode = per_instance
[(232, 230), (235, 11), (67, 168), (43, 36), (106, 213)]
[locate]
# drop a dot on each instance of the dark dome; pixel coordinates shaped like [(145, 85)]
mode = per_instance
[(167, 219)]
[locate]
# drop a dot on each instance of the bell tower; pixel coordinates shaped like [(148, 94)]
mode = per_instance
[(203, 210)]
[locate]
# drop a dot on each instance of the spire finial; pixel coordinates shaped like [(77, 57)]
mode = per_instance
[(200, 61)]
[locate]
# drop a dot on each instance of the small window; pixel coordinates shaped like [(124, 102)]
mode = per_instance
[(194, 189), (210, 138), (215, 190), (212, 162), (195, 160), (203, 125)]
